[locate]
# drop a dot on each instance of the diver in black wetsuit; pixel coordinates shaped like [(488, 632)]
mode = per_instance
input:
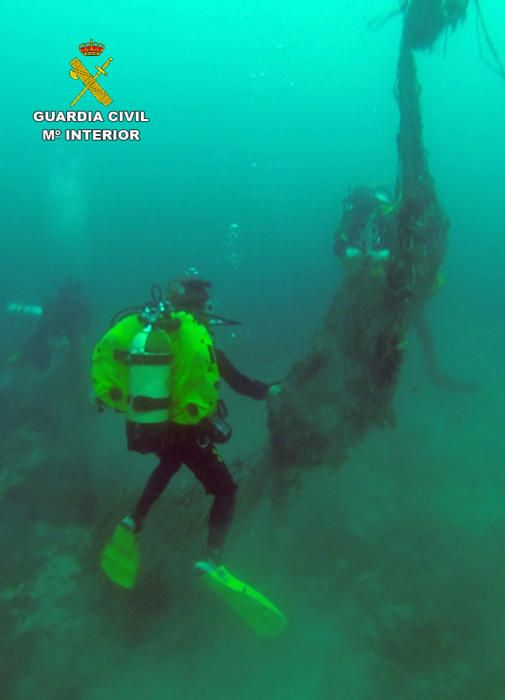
[(367, 229), (367, 234), (65, 318), (195, 445)]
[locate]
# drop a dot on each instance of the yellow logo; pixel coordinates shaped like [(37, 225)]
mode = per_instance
[(78, 119), (79, 72)]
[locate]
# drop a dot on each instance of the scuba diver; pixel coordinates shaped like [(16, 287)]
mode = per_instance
[(367, 228), (62, 321), (368, 233), (161, 368), (48, 338)]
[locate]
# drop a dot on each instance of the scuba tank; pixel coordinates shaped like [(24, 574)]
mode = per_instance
[(25, 309), (149, 368)]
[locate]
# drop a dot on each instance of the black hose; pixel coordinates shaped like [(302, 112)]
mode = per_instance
[(156, 293), (221, 320), (123, 313)]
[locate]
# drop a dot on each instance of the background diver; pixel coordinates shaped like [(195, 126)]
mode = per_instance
[(367, 226), (62, 321), (367, 233)]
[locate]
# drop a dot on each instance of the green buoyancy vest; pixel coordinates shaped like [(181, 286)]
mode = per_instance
[(109, 369), (194, 376)]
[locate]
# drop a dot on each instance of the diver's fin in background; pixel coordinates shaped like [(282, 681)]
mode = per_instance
[(258, 613), (121, 558)]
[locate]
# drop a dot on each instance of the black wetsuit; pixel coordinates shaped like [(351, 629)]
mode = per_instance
[(191, 445), (67, 315)]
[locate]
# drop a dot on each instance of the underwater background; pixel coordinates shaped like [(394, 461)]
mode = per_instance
[(390, 569)]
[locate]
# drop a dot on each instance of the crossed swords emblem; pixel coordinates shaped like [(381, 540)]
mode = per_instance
[(79, 72)]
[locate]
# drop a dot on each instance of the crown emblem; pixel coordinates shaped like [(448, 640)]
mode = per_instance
[(91, 48)]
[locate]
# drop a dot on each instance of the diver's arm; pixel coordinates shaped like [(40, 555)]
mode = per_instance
[(252, 388)]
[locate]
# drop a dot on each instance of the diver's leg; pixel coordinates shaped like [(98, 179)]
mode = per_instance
[(170, 463), (208, 467)]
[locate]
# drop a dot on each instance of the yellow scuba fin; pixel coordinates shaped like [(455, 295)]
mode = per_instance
[(121, 558), (258, 613)]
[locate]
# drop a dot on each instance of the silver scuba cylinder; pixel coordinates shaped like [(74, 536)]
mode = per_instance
[(149, 370), (24, 309)]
